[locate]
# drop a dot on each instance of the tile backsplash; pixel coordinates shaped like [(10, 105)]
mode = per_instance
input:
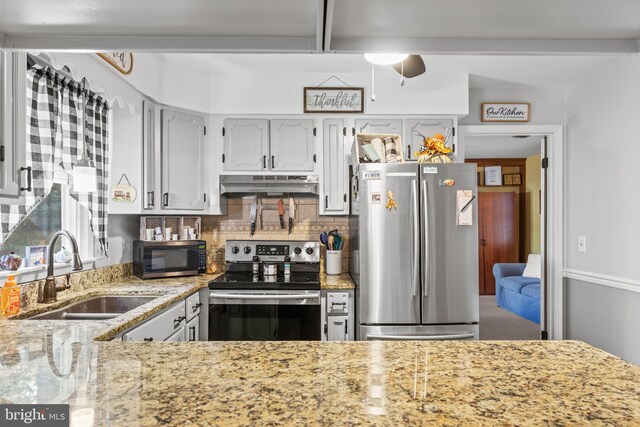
[(307, 225)]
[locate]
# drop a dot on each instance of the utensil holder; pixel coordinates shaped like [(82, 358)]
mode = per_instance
[(333, 262)]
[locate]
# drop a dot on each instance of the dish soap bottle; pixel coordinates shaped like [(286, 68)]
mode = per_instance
[(10, 297)]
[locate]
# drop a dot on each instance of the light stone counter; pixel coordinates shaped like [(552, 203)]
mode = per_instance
[(306, 383)]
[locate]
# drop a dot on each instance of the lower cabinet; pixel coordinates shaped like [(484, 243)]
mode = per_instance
[(338, 316), (172, 324)]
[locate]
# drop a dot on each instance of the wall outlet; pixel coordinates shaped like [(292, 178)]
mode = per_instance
[(582, 244)]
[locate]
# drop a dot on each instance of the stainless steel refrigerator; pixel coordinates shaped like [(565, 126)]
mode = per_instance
[(414, 251)]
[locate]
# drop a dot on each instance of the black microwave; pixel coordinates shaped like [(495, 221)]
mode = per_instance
[(157, 259)]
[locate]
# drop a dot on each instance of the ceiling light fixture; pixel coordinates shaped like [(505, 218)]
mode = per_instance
[(385, 58)]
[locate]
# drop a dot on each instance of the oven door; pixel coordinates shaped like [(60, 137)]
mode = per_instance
[(244, 315)]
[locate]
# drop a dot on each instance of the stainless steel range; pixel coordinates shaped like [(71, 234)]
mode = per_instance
[(270, 291)]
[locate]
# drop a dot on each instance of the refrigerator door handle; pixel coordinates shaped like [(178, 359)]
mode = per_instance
[(426, 264), (415, 236), (463, 336)]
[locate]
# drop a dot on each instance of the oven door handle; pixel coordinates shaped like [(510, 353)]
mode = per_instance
[(262, 296)]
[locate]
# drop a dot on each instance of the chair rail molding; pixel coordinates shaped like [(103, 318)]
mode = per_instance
[(603, 280)]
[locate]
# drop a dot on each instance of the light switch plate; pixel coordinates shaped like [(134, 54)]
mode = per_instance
[(582, 244)]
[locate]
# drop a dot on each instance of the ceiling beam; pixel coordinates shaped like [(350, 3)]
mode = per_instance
[(319, 24), (486, 46), (165, 44), (328, 25)]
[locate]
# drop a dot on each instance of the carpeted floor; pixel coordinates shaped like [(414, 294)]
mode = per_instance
[(499, 324)]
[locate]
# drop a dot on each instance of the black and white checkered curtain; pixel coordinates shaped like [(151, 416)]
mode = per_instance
[(55, 115)]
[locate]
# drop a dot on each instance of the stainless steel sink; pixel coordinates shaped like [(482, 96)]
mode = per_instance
[(96, 308)]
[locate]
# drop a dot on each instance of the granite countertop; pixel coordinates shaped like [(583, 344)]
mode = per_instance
[(305, 383)]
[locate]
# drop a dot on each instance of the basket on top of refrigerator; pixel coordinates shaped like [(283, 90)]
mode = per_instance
[(378, 148)]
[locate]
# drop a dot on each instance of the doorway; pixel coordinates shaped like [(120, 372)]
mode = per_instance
[(509, 196), (548, 203)]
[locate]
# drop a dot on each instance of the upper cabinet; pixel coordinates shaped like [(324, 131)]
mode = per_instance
[(378, 125), (416, 128), (246, 144), (269, 145), (14, 176), (182, 161), (292, 145), (335, 170)]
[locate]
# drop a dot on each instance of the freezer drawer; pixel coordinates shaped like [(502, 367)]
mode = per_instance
[(420, 333)]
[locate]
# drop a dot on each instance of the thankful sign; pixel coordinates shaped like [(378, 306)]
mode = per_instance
[(333, 100), (505, 112)]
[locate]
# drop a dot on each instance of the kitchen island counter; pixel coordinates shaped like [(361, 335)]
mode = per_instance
[(316, 383)]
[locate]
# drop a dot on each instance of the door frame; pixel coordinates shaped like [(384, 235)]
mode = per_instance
[(555, 212)]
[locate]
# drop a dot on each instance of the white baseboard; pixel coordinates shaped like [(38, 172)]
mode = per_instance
[(604, 280)]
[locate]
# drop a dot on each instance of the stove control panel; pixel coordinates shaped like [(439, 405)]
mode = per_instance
[(276, 250)]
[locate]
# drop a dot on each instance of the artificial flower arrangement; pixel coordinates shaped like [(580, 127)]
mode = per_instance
[(433, 149)]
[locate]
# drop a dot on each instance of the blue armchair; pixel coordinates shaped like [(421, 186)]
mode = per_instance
[(516, 293)]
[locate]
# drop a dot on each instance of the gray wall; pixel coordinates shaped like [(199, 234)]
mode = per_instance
[(605, 317), (123, 230)]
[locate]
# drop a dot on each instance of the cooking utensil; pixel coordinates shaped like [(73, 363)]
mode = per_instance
[(330, 240), (324, 238), (292, 213), (252, 216), (260, 214), (337, 241), (281, 213)]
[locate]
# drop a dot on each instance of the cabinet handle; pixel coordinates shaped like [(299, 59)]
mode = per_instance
[(148, 339), (166, 199), (408, 151), (345, 197), (326, 202), (326, 329), (192, 333), (346, 329), (264, 162), (273, 162), (29, 178), (176, 322), (151, 199), (196, 307)]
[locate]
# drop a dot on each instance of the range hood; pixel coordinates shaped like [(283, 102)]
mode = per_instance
[(271, 185)]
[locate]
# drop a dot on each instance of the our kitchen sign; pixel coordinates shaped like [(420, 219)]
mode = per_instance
[(333, 100), (505, 112)]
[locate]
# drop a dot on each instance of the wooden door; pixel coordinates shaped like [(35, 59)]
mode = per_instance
[(497, 234)]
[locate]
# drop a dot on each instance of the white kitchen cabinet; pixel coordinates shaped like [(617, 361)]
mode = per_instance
[(192, 330), (182, 161), (193, 305), (13, 173), (415, 128), (150, 163), (338, 328), (179, 335), (292, 145), (246, 145), (161, 327), (335, 173), (379, 125)]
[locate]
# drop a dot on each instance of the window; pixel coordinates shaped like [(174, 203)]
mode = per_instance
[(57, 211)]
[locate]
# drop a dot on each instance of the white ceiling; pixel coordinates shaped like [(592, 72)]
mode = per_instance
[(501, 147), (415, 26), (485, 70)]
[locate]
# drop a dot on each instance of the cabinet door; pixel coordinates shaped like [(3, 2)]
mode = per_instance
[(246, 144), (427, 127), (338, 328), (335, 174), (292, 145), (13, 177), (182, 161), (393, 126), (149, 158), (161, 327), (179, 335), (192, 330)]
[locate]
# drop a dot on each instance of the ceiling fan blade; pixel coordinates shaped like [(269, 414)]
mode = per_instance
[(413, 66)]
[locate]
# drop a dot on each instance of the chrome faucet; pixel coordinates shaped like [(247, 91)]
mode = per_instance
[(50, 291)]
